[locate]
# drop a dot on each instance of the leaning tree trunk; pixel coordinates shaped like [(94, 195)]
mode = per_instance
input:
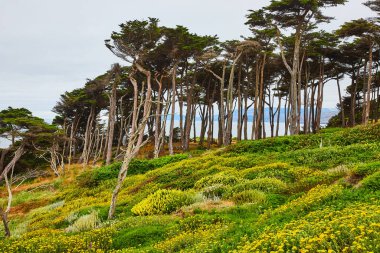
[(136, 136), (4, 152), (4, 175)]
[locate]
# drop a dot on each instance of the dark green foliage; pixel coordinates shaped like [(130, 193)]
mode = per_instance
[(327, 137), (372, 182), (224, 179), (249, 196), (137, 166), (270, 185), (138, 236), (197, 221), (275, 200), (276, 170), (329, 157), (367, 169)]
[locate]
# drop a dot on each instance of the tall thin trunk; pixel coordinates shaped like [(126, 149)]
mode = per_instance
[(353, 97), (229, 102), (111, 119), (343, 118), (367, 105), (254, 134), (239, 101), (278, 114), (158, 119), (174, 87), (320, 96), (261, 107)]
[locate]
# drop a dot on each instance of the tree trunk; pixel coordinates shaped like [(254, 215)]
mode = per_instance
[(254, 134), (367, 105), (229, 103), (189, 113), (174, 87), (320, 96), (341, 103), (136, 136), (4, 175), (240, 107), (261, 107), (278, 115), (111, 119), (4, 152), (158, 119), (353, 98)]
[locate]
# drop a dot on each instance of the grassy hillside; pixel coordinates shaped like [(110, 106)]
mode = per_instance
[(288, 194)]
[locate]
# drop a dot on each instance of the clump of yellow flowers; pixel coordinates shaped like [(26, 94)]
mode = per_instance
[(353, 229)]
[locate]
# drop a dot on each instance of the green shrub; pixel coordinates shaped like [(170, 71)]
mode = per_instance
[(367, 169), (86, 222), (312, 178), (137, 166), (372, 182), (198, 221), (328, 157), (249, 196), (221, 178), (277, 170), (162, 202), (138, 236), (270, 185), (239, 162)]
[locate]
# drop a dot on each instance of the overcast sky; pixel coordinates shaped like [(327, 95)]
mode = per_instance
[(48, 47)]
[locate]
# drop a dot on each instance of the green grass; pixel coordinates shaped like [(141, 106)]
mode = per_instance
[(281, 194)]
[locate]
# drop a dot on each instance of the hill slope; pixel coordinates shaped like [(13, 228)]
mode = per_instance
[(288, 194)]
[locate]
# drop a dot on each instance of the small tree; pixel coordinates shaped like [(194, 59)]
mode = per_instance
[(26, 132)]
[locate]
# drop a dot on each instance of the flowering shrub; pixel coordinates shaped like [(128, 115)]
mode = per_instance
[(268, 185), (198, 240), (354, 229), (47, 241), (162, 202), (316, 196)]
